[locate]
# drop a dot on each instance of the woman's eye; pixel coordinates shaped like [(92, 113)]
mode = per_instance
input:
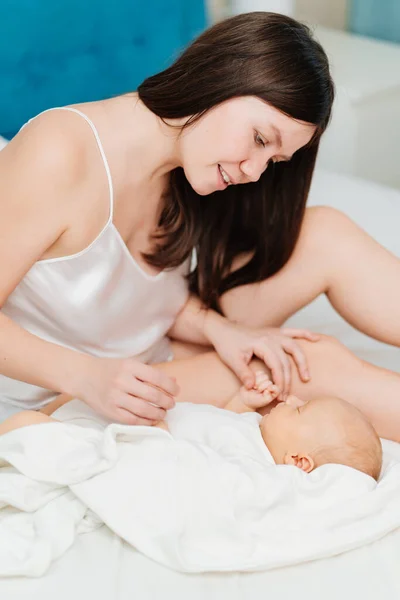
[(259, 140)]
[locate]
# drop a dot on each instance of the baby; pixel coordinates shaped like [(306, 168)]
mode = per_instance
[(308, 435)]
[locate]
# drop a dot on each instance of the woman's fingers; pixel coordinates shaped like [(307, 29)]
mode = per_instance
[(273, 361), (143, 391), (242, 370), (140, 408), (299, 359), (152, 394), (300, 334), (156, 378), (287, 374), (128, 418)]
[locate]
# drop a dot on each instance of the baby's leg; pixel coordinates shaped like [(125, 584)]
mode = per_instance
[(22, 419)]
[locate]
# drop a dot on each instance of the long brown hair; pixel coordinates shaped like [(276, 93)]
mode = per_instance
[(276, 59)]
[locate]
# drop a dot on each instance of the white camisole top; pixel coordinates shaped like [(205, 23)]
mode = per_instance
[(98, 301)]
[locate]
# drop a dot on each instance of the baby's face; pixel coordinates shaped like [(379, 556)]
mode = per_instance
[(295, 427)]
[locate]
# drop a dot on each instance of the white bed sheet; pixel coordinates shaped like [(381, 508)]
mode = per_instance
[(102, 567)]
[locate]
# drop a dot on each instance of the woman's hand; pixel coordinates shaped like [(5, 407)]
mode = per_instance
[(128, 391), (236, 345)]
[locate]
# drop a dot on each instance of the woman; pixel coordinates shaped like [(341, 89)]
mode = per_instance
[(103, 204)]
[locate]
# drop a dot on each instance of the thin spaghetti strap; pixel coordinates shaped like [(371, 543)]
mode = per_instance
[(103, 155)]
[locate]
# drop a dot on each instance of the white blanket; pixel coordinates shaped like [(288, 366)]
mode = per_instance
[(204, 498)]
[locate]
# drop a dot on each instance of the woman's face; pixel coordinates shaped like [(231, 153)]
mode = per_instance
[(235, 141)]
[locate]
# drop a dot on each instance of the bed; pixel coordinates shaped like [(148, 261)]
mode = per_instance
[(100, 565)]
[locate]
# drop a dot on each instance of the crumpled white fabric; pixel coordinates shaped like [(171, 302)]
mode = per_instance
[(206, 497)]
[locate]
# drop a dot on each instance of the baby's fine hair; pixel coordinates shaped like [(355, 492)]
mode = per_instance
[(362, 449), (367, 459)]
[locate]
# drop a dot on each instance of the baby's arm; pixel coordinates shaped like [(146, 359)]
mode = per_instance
[(237, 405)]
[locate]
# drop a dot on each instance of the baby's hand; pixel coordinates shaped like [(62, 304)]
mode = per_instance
[(264, 392)]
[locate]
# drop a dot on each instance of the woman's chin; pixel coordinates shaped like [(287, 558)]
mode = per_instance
[(201, 190)]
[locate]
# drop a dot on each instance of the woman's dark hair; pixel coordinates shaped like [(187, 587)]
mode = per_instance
[(274, 58)]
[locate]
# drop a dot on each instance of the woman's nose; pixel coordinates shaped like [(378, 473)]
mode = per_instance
[(253, 169)]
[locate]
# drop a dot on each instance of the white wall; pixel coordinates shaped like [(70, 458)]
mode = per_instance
[(330, 13), (280, 6), (217, 9)]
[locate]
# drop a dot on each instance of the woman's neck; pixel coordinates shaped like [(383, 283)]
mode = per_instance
[(148, 148)]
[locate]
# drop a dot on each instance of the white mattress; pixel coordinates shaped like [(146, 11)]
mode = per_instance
[(100, 566)]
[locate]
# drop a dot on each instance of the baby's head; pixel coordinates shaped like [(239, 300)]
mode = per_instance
[(323, 430)]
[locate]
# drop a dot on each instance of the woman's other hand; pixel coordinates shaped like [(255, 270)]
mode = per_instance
[(236, 345), (128, 391)]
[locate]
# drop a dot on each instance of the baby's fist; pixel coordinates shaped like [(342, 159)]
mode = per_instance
[(264, 393)]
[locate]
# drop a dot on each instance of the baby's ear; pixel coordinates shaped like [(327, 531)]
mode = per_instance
[(302, 461)]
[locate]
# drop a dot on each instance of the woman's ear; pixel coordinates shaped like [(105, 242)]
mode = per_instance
[(302, 461)]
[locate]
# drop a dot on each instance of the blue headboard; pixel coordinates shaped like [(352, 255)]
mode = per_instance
[(379, 19), (57, 52)]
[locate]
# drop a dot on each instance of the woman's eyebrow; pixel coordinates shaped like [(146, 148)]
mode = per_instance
[(277, 135)]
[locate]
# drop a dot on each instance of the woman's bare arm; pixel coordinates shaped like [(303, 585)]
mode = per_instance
[(40, 177)]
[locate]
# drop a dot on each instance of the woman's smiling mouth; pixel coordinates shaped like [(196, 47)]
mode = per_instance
[(225, 176)]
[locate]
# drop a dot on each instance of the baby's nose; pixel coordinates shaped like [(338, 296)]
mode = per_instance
[(294, 401)]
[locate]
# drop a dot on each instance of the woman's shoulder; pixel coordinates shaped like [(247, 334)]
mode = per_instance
[(46, 165), (56, 142)]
